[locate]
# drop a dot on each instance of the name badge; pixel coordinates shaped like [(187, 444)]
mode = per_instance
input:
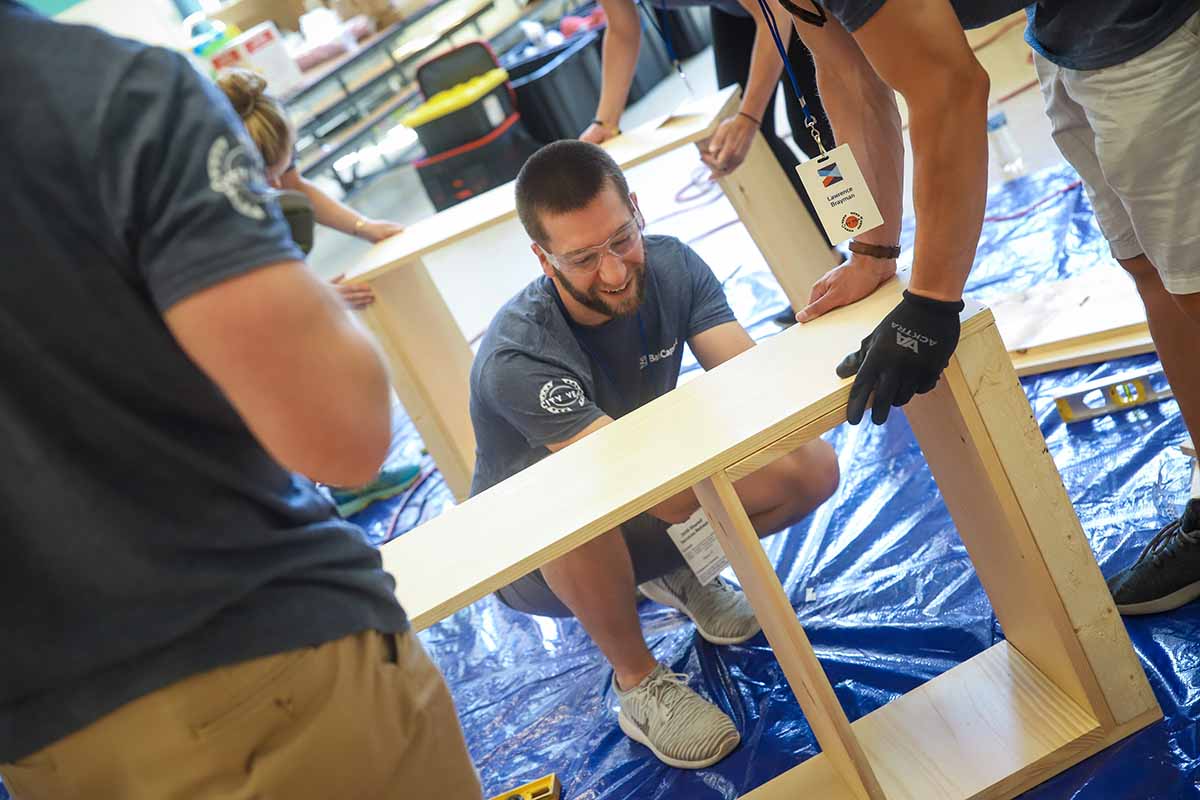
[(840, 195), (697, 541)]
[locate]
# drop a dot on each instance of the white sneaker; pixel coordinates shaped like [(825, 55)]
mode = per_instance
[(721, 612), (680, 727)]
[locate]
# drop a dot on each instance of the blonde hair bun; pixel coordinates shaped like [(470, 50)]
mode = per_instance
[(265, 118), (243, 87)]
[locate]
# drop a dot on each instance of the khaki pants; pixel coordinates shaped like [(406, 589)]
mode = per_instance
[(365, 717)]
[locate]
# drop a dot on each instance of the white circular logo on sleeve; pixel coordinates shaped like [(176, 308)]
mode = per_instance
[(236, 173), (561, 396)]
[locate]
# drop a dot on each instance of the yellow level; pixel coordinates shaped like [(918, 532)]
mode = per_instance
[(545, 788), (1127, 390)]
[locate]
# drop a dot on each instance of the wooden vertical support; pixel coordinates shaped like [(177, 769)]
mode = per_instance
[(788, 640), (430, 362), (1008, 502), (777, 221)]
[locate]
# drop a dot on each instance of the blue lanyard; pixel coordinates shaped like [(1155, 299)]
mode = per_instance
[(602, 363), (810, 121), (666, 38)]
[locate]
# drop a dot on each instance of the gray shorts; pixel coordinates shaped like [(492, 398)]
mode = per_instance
[(1132, 131), (650, 548)]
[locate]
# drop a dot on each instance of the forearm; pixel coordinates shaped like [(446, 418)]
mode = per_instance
[(863, 113), (622, 41), (765, 64), (326, 210), (949, 182)]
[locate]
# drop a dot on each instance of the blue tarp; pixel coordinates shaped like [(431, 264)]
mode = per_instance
[(877, 575)]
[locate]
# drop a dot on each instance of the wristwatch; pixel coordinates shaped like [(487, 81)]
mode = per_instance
[(874, 250)]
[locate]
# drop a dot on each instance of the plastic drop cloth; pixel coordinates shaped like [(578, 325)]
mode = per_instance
[(877, 575)]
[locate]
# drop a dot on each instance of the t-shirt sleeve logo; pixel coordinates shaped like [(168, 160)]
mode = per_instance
[(234, 172), (561, 396)]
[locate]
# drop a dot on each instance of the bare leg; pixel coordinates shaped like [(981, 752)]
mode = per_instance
[(595, 581), (1175, 326), (785, 491)]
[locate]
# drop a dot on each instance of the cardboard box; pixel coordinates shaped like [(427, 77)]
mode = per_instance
[(248, 13), (261, 49)]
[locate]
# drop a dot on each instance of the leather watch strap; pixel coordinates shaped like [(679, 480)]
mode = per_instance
[(874, 250)]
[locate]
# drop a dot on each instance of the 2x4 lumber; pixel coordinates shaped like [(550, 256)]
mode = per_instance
[(408, 308), (987, 729), (1009, 505), (787, 637)]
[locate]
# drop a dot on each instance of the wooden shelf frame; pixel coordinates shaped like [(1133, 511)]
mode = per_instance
[(1066, 683)]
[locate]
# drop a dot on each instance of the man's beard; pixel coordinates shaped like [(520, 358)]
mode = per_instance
[(596, 299)]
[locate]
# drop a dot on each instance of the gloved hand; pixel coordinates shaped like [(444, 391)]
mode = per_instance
[(903, 356)]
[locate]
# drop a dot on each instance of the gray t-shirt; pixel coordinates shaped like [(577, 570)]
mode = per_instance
[(539, 378), (146, 535), (1076, 34)]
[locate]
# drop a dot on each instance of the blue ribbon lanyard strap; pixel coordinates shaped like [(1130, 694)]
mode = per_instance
[(810, 121), (666, 39)]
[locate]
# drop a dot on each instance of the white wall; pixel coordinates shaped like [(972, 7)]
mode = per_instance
[(153, 21)]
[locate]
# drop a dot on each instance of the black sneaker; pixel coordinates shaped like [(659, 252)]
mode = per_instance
[(1167, 573)]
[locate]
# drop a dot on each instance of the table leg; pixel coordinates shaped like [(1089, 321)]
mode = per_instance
[(788, 640), (778, 222), (430, 362)]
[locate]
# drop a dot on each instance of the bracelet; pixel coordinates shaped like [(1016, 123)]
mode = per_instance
[(874, 250), (359, 224), (757, 122), (604, 124)]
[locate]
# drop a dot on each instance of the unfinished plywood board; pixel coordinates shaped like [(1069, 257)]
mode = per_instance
[(1088, 319), (1094, 349), (988, 729), (429, 359)]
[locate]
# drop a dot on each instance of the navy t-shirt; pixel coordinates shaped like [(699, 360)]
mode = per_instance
[(146, 536), (1077, 34), (539, 379)]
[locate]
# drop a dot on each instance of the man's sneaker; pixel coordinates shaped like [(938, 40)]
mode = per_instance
[(721, 612), (680, 727), (1167, 573), (391, 482)]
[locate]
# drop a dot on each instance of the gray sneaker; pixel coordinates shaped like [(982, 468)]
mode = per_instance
[(721, 612), (680, 727), (1167, 573)]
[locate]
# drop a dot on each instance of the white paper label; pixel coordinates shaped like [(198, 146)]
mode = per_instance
[(697, 541), (836, 187), (493, 110)]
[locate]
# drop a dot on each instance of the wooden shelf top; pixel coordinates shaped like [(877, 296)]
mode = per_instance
[(711, 423)]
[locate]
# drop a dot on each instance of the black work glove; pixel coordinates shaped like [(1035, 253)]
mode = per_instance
[(903, 356)]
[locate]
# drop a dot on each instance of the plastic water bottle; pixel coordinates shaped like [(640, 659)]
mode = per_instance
[(1004, 148)]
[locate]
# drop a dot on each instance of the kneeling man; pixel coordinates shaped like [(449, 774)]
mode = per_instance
[(598, 335)]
